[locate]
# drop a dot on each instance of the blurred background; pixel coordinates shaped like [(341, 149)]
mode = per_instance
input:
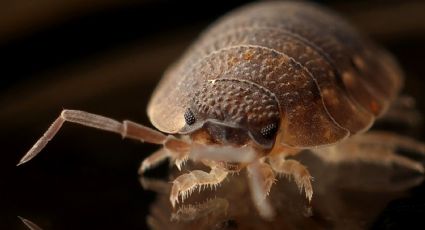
[(105, 57)]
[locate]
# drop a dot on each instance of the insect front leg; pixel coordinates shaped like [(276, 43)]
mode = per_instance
[(293, 168), (153, 160), (175, 149), (261, 178), (156, 185), (127, 129), (185, 184)]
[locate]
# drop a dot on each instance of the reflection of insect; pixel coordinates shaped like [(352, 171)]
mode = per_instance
[(265, 82)]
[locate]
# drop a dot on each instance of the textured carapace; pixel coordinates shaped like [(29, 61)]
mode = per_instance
[(291, 67), (260, 85)]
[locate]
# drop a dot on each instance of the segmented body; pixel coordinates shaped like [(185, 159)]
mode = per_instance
[(327, 80), (261, 84)]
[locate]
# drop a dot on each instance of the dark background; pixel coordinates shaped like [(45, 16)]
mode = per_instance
[(105, 57)]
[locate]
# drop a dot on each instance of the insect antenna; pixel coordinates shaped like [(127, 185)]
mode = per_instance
[(127, 129)]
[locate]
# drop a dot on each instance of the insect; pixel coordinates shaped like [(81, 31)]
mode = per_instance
[(263, 83)]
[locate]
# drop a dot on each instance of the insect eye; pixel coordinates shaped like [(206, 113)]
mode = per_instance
[(189, 117), (269, 131)]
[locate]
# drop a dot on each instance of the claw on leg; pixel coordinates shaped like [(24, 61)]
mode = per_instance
[(294, 168), (185, 184), (261, 178)]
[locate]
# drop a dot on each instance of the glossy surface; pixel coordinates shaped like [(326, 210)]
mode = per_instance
[(346, 197)]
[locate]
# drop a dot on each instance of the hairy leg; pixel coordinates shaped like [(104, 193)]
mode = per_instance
[(375, 147), (295, 169), (261, 178), (185, 184)]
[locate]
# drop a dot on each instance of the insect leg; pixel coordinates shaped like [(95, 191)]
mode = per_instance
[(175, 149), (153, 160), (376, 147), (293, 168), (402, 111), (185, 184), (392, 140), (260, 178), (156, 185), (127, 129)]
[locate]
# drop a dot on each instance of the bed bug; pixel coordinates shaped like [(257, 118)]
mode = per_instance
[(263, 83)]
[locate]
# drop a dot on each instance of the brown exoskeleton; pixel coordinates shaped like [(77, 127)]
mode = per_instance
[(267, 81)]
